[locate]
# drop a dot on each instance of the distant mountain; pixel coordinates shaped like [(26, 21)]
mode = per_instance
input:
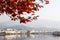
[(13, 25), (46, 24), (23, 27), (43, 25)]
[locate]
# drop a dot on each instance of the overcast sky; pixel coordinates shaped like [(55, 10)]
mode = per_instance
[(49, 12)]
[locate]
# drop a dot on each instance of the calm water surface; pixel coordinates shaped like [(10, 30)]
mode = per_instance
[(29, 37)]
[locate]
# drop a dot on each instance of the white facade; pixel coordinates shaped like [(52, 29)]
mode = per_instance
[(10, 31), (34, 31), (21, 31)]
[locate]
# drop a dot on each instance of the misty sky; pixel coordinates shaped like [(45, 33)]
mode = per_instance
[(49, 12)]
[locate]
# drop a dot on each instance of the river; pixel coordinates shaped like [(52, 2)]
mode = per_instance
[(29, 37)]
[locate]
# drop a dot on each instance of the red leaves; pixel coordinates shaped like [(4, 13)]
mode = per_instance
[(15, 8), (35, 17), (46, 1), (24, 20), (12, 1)]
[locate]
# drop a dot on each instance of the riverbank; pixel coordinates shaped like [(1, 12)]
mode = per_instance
[(26, 32)]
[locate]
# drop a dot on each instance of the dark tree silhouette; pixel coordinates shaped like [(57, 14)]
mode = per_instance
[(16, 8)]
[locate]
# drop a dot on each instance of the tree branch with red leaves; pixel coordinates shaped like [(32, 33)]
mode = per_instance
[(15, 8)]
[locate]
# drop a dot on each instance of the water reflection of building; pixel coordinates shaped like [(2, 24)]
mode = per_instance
[(14, 37), (10, 37), (22, 36)]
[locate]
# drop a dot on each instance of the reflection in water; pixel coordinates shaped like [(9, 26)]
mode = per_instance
[(13, 37), (29, 37), (20, 36), (10, 37)]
